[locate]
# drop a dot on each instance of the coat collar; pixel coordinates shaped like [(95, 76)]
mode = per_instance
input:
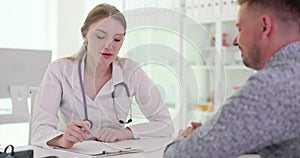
[(117, 76)]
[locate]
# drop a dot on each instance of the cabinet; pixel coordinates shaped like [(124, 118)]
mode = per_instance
[(218, 69), (187, 51)]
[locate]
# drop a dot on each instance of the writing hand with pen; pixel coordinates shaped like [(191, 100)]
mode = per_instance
[(112, 135), (190, 129), (76, 131)]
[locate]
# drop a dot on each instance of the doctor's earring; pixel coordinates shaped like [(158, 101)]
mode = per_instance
[(85, 43)]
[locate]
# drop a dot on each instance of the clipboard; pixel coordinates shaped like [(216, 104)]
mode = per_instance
[(118, 152), (95, 148)]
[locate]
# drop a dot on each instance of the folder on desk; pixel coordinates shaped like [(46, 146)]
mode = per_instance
[(95, 148)]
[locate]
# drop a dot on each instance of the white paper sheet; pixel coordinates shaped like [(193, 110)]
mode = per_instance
[(95, 148)]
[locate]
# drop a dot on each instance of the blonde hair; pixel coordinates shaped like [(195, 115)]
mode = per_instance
[(99, 12)]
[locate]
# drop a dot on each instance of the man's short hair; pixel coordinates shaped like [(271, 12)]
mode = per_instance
[(286, 10)]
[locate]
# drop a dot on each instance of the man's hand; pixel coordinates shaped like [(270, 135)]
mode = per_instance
[(190, 129)]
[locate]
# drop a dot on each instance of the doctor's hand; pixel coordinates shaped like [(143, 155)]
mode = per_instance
[(190, 129), (111, 135), (76, 131)]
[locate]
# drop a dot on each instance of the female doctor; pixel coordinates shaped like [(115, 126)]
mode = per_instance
[(89, 94)]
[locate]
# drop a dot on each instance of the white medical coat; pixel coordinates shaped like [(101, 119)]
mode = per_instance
[(59, 101)]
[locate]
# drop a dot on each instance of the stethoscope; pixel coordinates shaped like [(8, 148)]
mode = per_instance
[(112, 95)]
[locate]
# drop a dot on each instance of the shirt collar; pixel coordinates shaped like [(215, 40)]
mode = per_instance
[(75, 74), (289, 52), (117, 75)]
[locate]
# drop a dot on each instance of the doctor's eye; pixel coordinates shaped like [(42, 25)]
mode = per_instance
[(117, 40), (100, 37)]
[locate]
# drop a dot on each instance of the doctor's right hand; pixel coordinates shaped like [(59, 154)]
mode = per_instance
[(76, 131)]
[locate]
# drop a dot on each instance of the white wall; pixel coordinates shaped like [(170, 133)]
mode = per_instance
[(42, 24), (45, 24), (23, 24), (69, 18)]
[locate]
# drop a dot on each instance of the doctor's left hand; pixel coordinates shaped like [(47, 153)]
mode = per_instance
[(111, 135)]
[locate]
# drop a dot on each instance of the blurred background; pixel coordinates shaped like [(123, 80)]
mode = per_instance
[(184, 46)]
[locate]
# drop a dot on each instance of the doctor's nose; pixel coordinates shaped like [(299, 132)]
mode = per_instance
[(109, 44)]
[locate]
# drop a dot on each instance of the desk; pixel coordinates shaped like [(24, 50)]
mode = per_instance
[(15, 133), (41, 152), (154, 148)]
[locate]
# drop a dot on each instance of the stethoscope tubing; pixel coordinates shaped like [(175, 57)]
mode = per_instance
[(82, 90), (112, 94)]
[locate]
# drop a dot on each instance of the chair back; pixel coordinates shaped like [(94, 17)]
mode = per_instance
[(33, 92)]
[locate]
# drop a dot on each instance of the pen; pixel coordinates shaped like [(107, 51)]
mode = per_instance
[(127, 150), (83, 129), (111, 152)]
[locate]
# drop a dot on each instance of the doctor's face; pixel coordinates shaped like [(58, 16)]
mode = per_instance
[(104, 40)]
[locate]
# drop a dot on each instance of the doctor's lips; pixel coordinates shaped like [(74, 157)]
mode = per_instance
[(107, 54)]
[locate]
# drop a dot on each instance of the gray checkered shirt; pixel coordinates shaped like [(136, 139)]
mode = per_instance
[(262, 117)]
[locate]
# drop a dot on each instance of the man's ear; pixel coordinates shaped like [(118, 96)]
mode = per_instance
[(266, 25)]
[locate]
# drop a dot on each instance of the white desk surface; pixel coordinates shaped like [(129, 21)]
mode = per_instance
[(154, 148), (42, 152)]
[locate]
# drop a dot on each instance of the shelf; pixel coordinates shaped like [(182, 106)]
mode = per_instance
[(214, 19), (203, 67), (205, 107), (232, 67), (237, 67), (211, 61)]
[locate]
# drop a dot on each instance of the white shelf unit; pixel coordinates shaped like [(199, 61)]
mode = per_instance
[(192, 62), (221, 70)]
